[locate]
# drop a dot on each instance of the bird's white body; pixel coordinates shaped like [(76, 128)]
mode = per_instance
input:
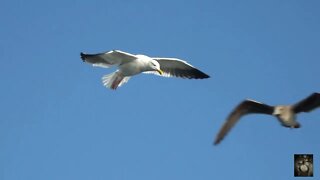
[(286, 116), (141, 64)]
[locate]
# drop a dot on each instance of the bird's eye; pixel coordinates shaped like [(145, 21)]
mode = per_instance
[(153, 64)]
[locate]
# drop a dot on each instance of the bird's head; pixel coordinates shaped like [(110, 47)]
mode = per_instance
[(155, 66), (286, 116), (279, 110)]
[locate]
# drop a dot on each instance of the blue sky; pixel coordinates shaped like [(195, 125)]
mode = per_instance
[(59, 122)]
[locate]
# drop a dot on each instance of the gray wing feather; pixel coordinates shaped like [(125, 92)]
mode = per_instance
[(178, 68), (307, 104), (114, 57), (245, 107)]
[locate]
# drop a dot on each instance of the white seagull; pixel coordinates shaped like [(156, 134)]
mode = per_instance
[(130, 65), (286, 114)]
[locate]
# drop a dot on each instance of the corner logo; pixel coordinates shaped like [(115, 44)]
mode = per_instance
[(303, 165)]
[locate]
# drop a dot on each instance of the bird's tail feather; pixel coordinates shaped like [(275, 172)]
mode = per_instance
[(114, 80)]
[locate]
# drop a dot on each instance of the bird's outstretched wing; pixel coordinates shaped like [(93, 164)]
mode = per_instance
[(307, 104), (107, 59), (245, 107), (179, 68)]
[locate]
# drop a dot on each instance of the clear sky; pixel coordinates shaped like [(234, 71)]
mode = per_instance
[(57, 121)]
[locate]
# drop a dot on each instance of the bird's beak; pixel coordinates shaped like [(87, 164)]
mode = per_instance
[(160, 71), (296, 126)]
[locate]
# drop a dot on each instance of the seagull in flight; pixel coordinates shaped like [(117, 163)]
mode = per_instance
[(130, 65), (286, 114)]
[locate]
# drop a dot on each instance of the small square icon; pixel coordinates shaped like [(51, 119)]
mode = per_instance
[(303, 165)]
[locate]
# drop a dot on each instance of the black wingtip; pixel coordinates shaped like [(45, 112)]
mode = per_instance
[(206, 76), (82, 55), (200, 75), (317, 94), (216, 142)]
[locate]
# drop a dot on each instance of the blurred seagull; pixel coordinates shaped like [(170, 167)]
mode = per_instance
[(286, 114), (130, 65)]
